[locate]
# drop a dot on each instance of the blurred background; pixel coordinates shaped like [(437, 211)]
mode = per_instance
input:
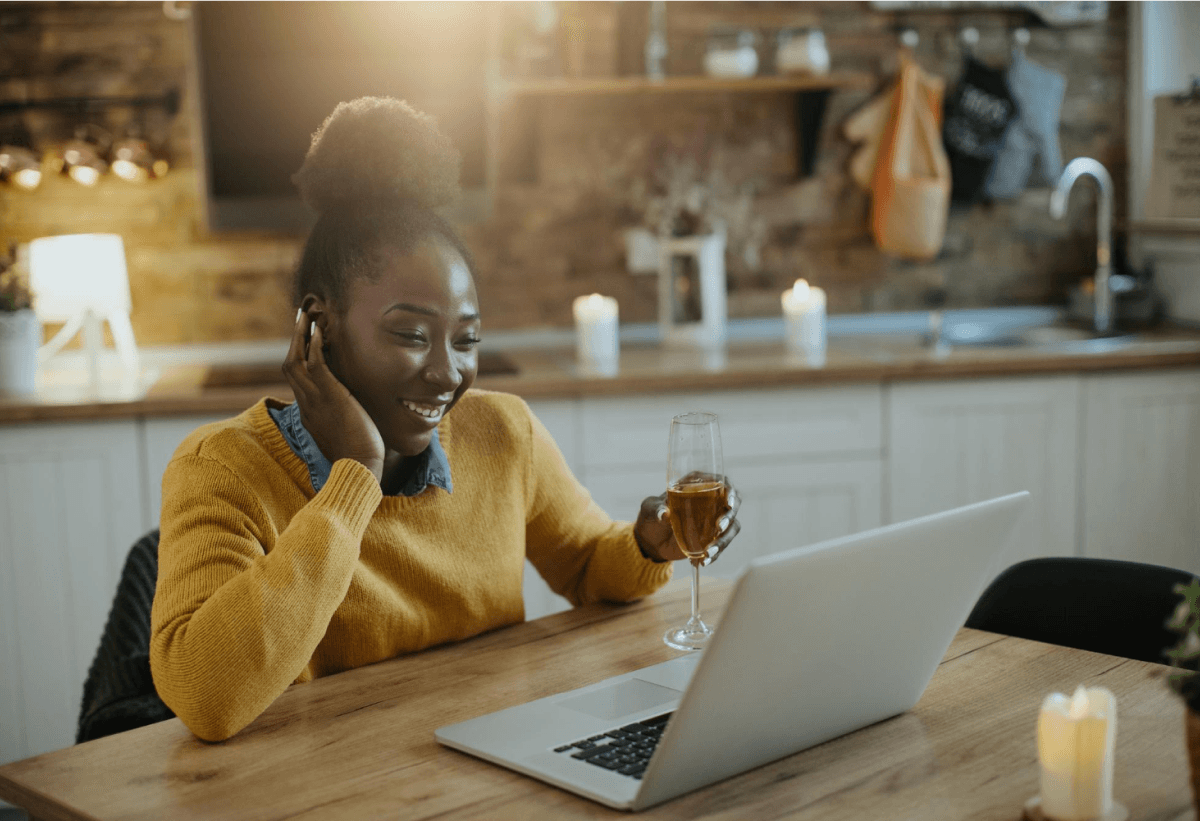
[(564, 149)]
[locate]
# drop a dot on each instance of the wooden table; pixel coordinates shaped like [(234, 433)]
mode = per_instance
[(360, 744)]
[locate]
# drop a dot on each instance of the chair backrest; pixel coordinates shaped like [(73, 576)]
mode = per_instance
[(1103, 605), (119, 693)]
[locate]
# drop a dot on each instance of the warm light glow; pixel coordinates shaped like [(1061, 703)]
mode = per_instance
[(74, 272), (161, 167), (129, 170), (1079, 704), (84, 174), (800, 290), (28, 178), (594, 306)]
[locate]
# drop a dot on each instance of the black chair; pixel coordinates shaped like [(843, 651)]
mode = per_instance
[(1103, 605), (119, 693)]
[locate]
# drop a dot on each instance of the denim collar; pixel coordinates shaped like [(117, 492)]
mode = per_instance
[(430, 467)]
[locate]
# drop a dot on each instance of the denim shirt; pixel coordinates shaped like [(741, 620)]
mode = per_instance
[(431, 466)]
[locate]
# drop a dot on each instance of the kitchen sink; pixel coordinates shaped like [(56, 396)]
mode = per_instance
[(258, 374), (1055, 337)]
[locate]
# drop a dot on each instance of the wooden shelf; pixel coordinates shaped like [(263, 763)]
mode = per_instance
[(1167, 227), (597, 86)]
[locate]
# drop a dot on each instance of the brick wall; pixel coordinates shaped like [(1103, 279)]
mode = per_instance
[(556, 232)]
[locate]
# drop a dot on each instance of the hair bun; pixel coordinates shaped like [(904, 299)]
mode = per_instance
[(378, 149)]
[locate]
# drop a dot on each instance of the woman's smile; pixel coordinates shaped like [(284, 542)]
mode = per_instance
[(429, 412)]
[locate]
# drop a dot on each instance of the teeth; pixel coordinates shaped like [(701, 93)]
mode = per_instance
[(428, 411)]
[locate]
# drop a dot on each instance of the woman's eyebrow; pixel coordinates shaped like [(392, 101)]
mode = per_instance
[(417, 309)]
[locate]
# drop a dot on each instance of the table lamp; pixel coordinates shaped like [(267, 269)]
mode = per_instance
[(80, 280)]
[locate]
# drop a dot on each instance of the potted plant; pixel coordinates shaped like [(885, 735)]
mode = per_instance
[(1185, 657), (20, 331)]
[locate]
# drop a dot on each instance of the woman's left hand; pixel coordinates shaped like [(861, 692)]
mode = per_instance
[(653, 528)]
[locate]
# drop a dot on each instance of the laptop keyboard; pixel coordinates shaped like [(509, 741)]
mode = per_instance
[(625, 750)]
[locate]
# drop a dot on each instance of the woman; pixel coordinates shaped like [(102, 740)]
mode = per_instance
[(390, 507)]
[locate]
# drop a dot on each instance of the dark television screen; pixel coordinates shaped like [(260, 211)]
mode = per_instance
[(270, 72)]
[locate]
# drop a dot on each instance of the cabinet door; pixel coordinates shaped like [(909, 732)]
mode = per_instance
[(768, 425), (160, 438), (1141, 468), (954, 443), (784, 505), (72, 508)]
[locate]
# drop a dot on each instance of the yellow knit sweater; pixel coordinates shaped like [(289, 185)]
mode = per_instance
[(263, 583)]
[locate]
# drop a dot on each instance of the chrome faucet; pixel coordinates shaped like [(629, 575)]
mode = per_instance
[(1076, 168)]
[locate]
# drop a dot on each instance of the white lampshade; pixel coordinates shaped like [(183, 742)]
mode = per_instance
[(72, 273)]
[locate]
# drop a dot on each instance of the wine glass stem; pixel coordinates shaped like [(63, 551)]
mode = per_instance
[(695, 593)]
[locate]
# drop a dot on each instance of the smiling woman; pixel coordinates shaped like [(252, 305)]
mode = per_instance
[(391, 507)]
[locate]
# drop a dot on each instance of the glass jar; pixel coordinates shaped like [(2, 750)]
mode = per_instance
[(801, 51), (731, 54)]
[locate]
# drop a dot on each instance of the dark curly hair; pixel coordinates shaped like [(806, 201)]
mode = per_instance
[(375, 171)]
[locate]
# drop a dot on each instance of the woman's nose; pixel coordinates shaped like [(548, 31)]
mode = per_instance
[(441, 370)]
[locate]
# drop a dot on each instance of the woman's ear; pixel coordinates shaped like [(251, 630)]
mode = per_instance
[(317, 309)]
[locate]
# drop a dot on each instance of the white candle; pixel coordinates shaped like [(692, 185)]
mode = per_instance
[(596, 345), (804, 319), (1076, 737)]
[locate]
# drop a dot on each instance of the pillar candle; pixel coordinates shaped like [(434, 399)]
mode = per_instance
[(1076, 737), (596, 342), (804, 321)]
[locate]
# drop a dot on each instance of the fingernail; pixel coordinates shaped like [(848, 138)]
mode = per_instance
[(662, 513), (723, 522), (299, 313), (312, 328)]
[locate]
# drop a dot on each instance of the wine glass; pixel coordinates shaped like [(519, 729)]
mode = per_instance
[(695, 504)]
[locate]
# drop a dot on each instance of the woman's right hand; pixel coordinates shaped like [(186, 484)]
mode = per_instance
[(329, 412)]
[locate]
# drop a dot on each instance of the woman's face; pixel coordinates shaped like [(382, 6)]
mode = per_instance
[(404, 345)]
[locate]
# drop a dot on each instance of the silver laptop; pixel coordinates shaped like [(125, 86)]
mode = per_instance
[(814, 643)]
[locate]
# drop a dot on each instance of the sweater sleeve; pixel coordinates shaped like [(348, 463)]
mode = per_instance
[(234, 623), (582, 554)]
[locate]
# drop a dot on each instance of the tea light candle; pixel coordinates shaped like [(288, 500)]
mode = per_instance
[(1076, 737), (804, 319), (596, 345)]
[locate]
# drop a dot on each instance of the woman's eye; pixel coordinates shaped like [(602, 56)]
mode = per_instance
[(469, 342), (409, 336)]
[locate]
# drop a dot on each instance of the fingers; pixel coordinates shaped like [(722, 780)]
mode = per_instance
[(733, 499), (294, 364), (718, 547)]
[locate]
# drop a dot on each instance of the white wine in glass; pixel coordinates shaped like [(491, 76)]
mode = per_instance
[(695, 503)]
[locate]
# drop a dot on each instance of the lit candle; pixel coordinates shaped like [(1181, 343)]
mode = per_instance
[(596, 345), (804, 319), (1076, 737)]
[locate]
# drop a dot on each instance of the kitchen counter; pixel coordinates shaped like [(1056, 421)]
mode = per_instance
[(551, 372)]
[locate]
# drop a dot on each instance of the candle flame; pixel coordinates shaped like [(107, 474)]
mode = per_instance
[(800, 290), (1079, 704)]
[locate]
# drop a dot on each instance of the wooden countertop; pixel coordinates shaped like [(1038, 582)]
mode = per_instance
[(553, 374)]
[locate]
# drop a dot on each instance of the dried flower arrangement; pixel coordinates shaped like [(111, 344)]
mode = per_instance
[(691, 192), (14, 286)]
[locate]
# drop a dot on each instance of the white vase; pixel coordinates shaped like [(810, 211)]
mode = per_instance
[(20, 338)]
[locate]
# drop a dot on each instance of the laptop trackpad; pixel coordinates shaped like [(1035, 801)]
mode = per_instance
[(620, 699)]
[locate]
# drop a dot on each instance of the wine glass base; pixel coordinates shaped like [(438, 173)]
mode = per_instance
[(689, 637)]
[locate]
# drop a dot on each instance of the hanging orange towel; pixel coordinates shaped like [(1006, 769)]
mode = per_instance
[(910, 187), (868, 123)]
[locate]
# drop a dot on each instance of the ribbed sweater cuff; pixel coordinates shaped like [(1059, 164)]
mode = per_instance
[(352, 492)]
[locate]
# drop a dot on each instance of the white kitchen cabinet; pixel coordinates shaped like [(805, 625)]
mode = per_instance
[(1141, 468), (160, 438), (806, 461), (784, 504), (755, 425), (956, 442), (72, 508)]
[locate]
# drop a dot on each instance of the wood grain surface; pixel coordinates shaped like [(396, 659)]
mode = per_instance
[(360, 745), (552, 374)]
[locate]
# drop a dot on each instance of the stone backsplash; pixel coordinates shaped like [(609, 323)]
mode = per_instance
[(599, 162)]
